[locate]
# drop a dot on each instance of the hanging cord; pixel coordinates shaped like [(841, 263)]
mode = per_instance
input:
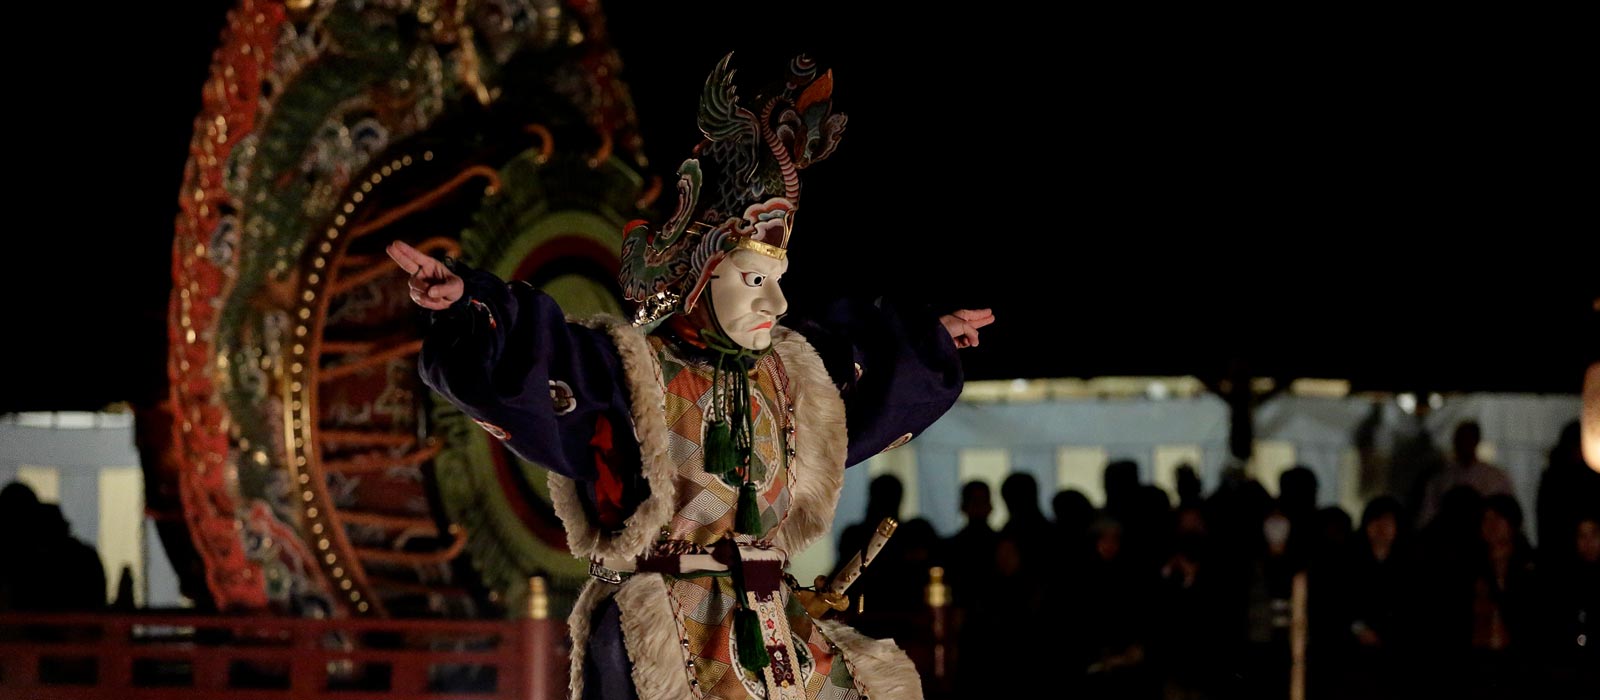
[(729, 445), (730, 438)]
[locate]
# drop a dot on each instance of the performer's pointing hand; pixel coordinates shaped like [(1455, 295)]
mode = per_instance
[(433, 286), (964, 324)]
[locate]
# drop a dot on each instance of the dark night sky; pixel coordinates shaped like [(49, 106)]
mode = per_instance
[(1389, 199)]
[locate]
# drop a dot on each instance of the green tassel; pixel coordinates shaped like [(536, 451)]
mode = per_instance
[(720, 457), (748, 519), (752, 649)]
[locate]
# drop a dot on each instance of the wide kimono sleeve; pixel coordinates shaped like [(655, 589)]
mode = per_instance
[(553, 391), (894, 363)]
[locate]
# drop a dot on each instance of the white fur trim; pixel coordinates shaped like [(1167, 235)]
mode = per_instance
[(648, 399), (821, 443), (650, 632), (651, 635), (594, 593), (880, 669)]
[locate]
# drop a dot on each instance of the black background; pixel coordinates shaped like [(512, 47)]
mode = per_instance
[(1404, 201)]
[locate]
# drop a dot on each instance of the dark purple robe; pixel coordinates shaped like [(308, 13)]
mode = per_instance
[(506, 356)]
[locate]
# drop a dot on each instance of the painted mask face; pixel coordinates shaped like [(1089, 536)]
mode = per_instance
[(746, 297)]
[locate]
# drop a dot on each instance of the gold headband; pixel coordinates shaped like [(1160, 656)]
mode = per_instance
[(766, 249)]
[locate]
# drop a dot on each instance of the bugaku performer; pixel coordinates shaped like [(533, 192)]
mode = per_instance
[(693, 450)]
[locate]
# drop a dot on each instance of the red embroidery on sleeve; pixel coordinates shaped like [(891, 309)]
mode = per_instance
[(607, 488)]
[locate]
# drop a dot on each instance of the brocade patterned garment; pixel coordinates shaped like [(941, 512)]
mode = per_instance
[(703, 605)]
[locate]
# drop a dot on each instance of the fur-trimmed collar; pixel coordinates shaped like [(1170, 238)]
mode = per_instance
[(820, 442)]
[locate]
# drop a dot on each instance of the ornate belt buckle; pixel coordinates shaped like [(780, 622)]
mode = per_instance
[(604, 574)]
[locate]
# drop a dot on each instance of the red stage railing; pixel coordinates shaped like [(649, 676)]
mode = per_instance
[(187, 657)]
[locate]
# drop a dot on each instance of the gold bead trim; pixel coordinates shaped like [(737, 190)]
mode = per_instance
[(300, 409)]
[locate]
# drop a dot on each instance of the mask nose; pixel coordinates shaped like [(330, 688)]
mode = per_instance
[(771, 300)]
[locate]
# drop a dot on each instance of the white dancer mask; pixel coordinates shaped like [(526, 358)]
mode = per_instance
[(746, 298)]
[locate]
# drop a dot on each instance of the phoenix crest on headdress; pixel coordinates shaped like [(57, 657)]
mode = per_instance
[(740, 189)]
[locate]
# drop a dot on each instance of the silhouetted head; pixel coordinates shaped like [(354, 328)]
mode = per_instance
[(1152, 497), (1466, 440), (1121, 482), (917, 540), (19, 514), (1297, 491), (1073, 510), (1188, 484), (52, 524), (976, 503), (884, 497), (17, 501), (1106, 533), (1380, 507), (1333, 528), (1254, 499), (1021, 494), (1380, 522), (1502, 520)]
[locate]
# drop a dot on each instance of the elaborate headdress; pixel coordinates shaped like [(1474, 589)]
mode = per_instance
[(740, 191)]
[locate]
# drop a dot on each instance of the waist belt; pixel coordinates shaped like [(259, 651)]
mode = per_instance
[(721, 559), (760, 628)]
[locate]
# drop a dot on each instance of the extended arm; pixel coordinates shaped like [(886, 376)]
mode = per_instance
[(506, 356), (895, 365)]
